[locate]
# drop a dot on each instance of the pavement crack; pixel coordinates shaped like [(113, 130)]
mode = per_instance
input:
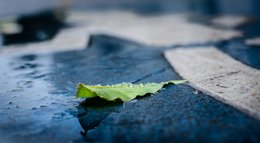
[(149, 75), (234, 72)]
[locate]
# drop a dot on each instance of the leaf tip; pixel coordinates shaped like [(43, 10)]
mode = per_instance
[(79, 85)]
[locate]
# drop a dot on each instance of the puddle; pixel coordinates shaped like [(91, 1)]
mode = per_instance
[(26, 97)]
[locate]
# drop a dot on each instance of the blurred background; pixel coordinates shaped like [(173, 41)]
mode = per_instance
[(25, 7), (23, 21)]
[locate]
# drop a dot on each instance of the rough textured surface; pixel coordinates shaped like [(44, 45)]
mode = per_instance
[(177, 114), (218, 74), (37, 103)]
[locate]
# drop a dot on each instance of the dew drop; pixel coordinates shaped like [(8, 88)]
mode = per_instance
[(43, 106), (163, 89), (196, 92), (133, 101)]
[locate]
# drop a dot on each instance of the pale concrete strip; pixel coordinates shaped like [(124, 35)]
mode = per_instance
[(220, 76), (230, 21), (159, 30), (253, 42), (68, 39)]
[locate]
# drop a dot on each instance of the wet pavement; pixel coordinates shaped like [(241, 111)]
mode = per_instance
[(37, 100), (37, 89)]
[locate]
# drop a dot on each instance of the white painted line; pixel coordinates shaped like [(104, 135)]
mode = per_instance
[(230, 21), (159, 30), (220, 76), (68, 39), (253, 42)]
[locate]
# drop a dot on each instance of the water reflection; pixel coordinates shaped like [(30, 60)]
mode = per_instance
[(93, 111), (28, 102)]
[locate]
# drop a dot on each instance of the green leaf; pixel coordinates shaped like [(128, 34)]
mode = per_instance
[(124, 91)]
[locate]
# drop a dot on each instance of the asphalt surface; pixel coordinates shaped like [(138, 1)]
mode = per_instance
[(178, 113), (37, 90)]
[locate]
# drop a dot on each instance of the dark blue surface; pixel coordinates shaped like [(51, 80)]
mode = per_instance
[(176, 114), (37, 90), (130, 61), (37, 103), (237, 48), (210, 7)]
